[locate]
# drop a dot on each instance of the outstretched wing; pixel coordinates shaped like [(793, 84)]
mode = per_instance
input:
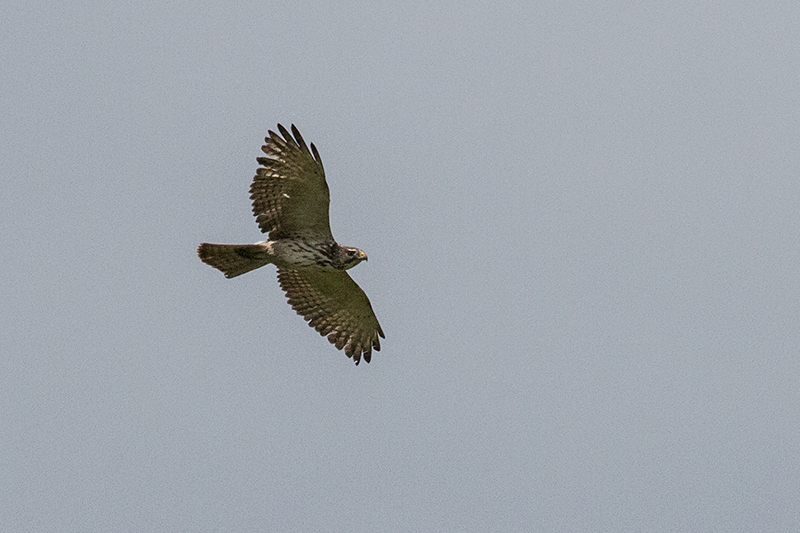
[(289, 193), (335, 306)]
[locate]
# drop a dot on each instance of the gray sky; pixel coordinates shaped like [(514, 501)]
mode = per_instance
[(582, 221)]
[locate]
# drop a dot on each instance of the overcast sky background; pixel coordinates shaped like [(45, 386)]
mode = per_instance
[(583, 224)]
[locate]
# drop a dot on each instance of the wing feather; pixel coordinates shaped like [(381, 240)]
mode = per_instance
[(336, 307), (289, 193)]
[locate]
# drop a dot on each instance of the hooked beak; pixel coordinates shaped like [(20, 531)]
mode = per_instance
[(362, 256)]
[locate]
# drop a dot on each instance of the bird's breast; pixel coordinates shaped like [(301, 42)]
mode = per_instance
[(299, 253)]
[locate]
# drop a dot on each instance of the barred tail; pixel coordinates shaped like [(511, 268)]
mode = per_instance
[(233, 259)]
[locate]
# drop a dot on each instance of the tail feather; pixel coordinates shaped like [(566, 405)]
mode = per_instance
[(233, 259)]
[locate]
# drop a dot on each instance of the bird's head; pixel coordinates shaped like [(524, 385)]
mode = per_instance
[(349, 256)]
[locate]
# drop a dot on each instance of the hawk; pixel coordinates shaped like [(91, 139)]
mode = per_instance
[(290, 202)]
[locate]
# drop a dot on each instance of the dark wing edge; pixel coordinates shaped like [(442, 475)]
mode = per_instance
[(335, 306), (289, 191)]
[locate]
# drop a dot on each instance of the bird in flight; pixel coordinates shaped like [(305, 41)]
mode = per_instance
[(290, 202)]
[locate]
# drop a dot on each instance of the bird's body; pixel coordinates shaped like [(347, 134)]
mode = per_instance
[(290, 202), (231, 259)]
